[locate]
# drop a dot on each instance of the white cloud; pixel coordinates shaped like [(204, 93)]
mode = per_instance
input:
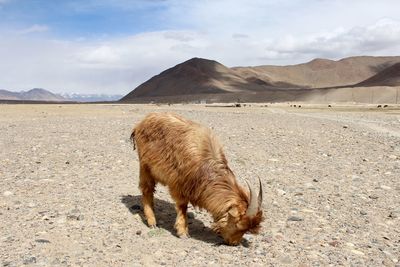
[(36, 28), (235, 33), (119, 65)]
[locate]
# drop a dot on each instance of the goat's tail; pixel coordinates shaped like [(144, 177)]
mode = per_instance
[(133, 139)]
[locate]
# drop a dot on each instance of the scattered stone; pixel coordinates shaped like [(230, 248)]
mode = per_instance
[(357, 252), (135, 207), (191, 215), (384, 187), (75, 215), (286, 259), (315, 180), (67, 162), (8, 193), (362, 212), (29, 260), (281, 192), (40, 240), (138, 232), (373, 197), (334, 243), (345, 126), (295, 219), (156, 232)]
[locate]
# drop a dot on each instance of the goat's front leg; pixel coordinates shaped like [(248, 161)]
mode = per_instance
[(181, 224)]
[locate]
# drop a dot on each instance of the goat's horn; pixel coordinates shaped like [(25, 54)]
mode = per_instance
[(260, 194), (253, 205)]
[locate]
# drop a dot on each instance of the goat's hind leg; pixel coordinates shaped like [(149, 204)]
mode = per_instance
[(147, 185)]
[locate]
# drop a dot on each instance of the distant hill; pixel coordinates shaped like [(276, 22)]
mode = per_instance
[(203, 79), (91, 97), (320, 73), (387, 77), (36, 94)]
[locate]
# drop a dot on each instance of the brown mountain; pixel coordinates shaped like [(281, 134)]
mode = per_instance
[(388, 77), (36, 94), (320, 73), (196, 76), (203, 79)]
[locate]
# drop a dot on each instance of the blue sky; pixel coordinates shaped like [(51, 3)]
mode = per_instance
[(111, 46)]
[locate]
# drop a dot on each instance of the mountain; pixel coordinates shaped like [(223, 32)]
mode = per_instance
[(387, 77), (320, 73), (196, 76), (36, 94), (206, 79)]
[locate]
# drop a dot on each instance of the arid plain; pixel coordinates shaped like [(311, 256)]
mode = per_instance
[(69, 187)]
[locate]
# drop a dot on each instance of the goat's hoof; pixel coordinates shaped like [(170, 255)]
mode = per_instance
[(153, 226), (184, 236)]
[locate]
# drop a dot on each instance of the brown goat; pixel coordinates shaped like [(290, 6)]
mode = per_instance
[(186, 157)]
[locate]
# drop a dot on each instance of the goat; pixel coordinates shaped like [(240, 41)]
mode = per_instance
[(187, 158)]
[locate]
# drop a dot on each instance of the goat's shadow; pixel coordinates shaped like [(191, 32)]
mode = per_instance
[(166, 214)]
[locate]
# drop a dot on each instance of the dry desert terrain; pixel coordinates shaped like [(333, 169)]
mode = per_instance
[(69, 187)]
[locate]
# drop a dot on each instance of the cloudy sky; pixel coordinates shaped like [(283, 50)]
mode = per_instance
[(111, 46)]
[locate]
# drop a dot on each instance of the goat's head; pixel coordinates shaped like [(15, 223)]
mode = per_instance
[(241, 218)]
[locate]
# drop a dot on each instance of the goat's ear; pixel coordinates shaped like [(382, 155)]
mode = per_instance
[(233, 212)]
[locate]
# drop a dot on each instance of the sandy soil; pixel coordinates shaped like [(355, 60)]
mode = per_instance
[(69, 191)]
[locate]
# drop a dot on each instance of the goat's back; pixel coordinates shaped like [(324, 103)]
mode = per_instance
[(177, 151)]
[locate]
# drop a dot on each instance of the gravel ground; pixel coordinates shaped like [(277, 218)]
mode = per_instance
[(69, 192)]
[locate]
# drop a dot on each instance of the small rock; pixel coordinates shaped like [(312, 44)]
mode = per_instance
[(156, 232), (286, 259), (345, 126), (384, 187), (392, 157), (191, 215), (44, 241), (334, 243), (357, 252), (138, 232), (67, 162), (29, 260), (315, 180), (362, 212), (281, 192), (295, 219), (373, 197), (8, 193), (135, 207)]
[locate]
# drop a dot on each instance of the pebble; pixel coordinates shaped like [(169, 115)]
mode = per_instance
[(362, 212), (138, 232), (295, 219), (29, 260), (357, 252), (8, 193), (135, 207), (40, 240), (281, 192), (385, 187), (286, 259)]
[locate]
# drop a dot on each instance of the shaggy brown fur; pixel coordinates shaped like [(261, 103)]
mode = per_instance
[(187, 158)]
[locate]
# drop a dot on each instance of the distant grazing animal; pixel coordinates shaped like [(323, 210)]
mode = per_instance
[(186, 157)]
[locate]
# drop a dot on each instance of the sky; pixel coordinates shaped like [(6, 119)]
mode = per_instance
[(112, 46)]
